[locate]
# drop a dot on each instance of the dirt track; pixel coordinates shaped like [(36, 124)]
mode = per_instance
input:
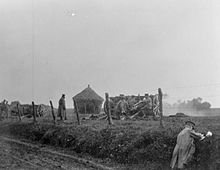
[(19, 155)]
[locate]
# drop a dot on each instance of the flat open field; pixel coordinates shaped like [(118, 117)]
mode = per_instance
[(124, 145)]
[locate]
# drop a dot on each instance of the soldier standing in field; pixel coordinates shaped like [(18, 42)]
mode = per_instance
[(111, 104), (122, 107), (7, 110), (62, 108), (147, 99), (147, 108)]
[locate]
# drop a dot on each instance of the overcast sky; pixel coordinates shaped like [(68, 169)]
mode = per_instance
[(116, 46)]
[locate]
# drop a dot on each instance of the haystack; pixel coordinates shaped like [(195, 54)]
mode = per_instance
[(88, 101)]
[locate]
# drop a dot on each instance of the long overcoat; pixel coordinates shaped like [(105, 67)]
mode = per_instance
[(61, 108), (185, 148)]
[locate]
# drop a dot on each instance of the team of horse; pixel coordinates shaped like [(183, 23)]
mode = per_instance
[(24, 110)]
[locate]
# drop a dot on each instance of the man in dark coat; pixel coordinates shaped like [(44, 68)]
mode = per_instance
[(62, 108)]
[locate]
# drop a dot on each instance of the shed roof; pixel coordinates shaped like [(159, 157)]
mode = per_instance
[(88, 94)]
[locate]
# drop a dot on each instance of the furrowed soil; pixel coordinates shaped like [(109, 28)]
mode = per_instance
[(16, 156), (124, 145)]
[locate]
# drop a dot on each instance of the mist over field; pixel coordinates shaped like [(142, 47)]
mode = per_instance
[(118, 46)]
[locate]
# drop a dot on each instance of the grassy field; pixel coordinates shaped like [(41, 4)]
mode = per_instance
[(129, 144)]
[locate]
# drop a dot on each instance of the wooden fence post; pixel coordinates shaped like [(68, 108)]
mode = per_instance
[(19, 113), (52, 110), (108, 109), (34, 114), (76, 110), (23, 110), (160, 96), (139, 97)]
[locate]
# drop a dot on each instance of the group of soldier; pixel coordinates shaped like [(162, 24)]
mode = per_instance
[(123, 108)]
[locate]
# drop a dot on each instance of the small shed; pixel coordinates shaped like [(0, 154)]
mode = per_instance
[(88, 101)]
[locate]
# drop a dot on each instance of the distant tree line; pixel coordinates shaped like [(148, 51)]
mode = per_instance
[(195, 104)]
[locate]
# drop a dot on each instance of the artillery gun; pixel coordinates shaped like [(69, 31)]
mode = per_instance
[(137, 107)]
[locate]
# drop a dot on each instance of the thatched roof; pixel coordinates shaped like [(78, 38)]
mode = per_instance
[(88, 94)]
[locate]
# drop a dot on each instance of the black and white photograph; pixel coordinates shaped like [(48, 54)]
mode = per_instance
[(109, 85)]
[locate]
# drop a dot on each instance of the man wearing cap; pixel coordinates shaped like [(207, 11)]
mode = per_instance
[(62, 108), (147, 102), (111, 104), (122, 107), (185, 146)]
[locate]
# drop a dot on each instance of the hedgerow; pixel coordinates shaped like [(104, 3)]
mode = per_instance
[(122, 144)]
